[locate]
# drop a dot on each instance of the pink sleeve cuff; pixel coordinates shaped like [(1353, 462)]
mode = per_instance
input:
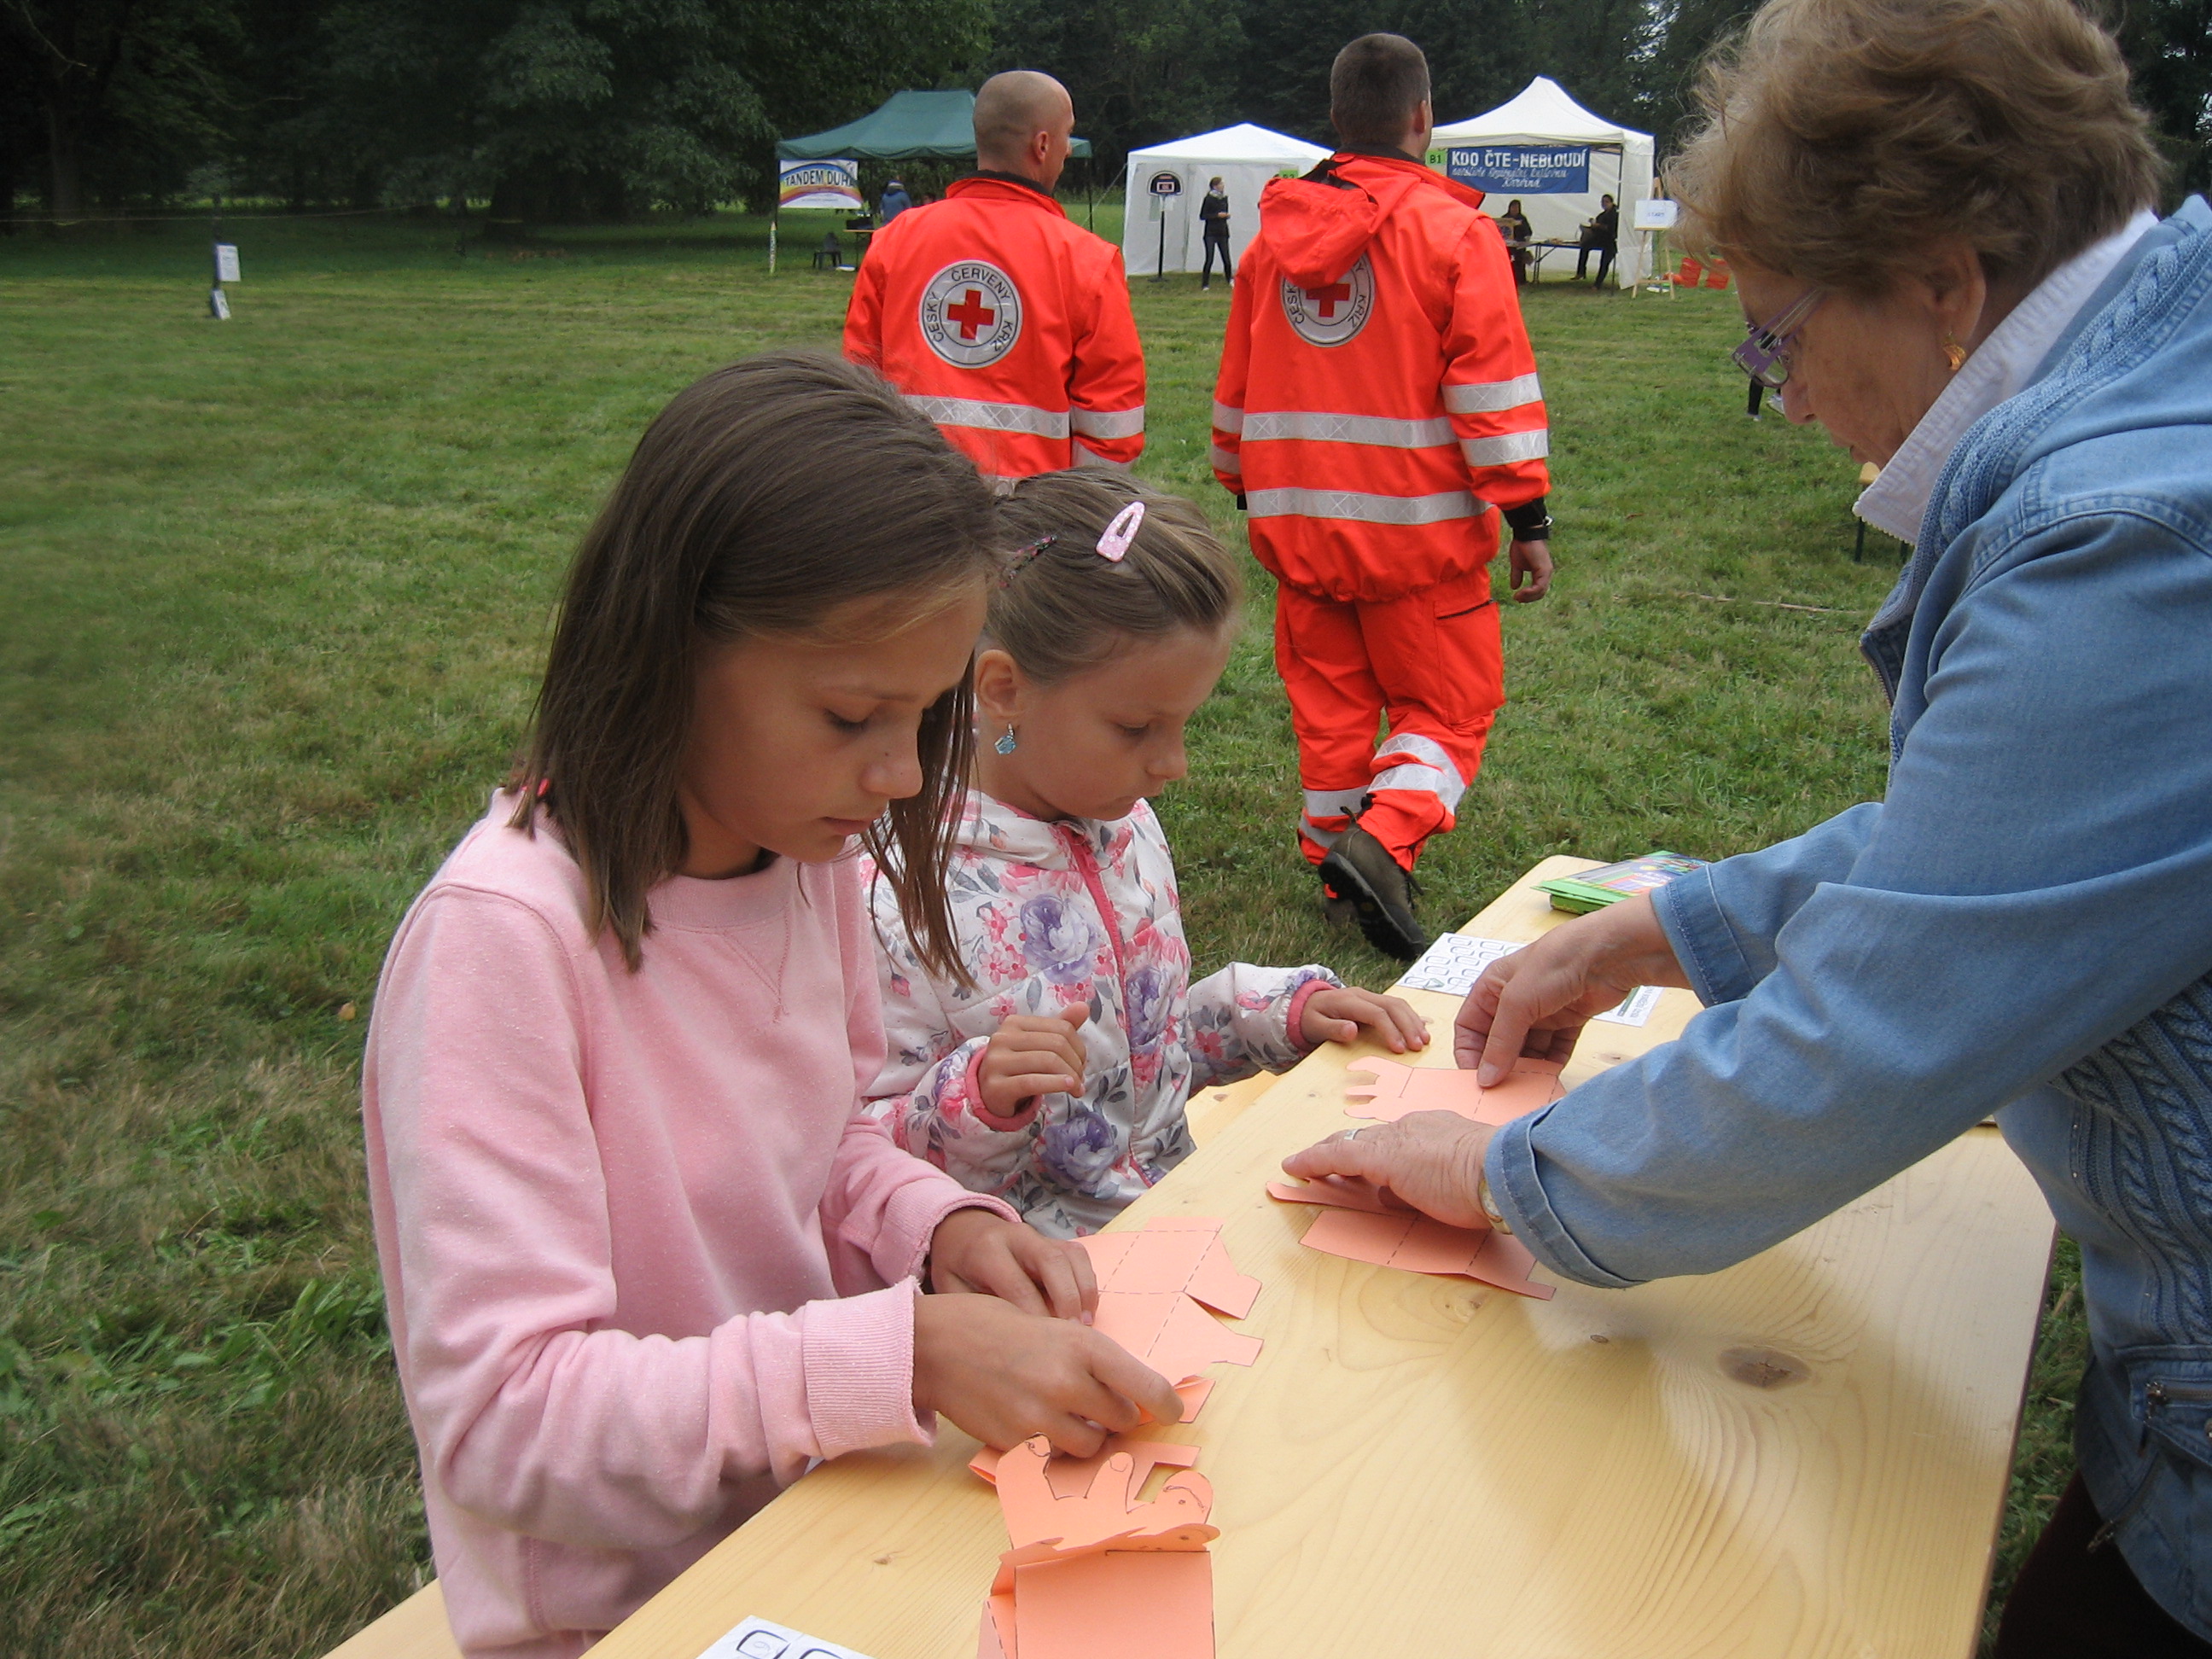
[(973, 1082), (859, 1372), (1294, 1016)]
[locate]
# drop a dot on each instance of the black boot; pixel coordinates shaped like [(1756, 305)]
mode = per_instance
[(1382, 893)]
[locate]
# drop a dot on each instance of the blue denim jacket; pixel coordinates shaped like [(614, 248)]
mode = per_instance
[(2023, 924)]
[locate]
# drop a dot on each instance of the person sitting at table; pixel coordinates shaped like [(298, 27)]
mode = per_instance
[(1938, 212), (1599, 235), (1513, 226)]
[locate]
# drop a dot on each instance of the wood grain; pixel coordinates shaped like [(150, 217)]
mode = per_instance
[(1803, 1456)]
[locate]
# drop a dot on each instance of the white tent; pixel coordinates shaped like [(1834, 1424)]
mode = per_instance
[(1244, 157), (1542, 114)]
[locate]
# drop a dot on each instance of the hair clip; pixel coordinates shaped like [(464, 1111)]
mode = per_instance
[(1115, 544), (1021, 556)]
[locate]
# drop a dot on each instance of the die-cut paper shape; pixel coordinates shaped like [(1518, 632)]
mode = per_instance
[(1151, 1282), (1400, 1089), (1416, 1243)]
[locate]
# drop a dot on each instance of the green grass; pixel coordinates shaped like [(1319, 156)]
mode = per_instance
[(272, 596)]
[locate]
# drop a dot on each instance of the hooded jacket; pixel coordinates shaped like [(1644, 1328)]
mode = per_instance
[(1007, 325), (1377, 395)]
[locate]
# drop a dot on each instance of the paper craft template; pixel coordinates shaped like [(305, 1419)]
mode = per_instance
[(757, 1638), (1069, 1476), (1454, 962), (1398, 1089), (1357, 1222), (1151, 1285), (1094, 1573), (1635, 1009)]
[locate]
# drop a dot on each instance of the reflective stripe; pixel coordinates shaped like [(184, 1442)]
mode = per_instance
[(1424, 766), (992, 417), (1334, 803), (1513, 447), (1227, 460), (1380, 430), (1489, 397), (1323, 839), (1228, 419), (1362, 509), (1086, 456), (1108, 423)]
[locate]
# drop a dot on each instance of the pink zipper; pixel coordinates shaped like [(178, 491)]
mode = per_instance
[(1088, 866)]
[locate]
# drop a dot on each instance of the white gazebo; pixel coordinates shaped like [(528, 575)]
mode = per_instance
[(1244, 157), (1538, 126)]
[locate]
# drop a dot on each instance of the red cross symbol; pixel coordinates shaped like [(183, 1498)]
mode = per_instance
[(1329, 298), (971, 313)]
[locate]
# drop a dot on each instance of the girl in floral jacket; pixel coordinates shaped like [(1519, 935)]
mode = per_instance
[(1057, 1078)]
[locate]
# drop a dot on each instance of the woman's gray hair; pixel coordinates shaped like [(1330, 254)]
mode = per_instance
[(1842, 137)]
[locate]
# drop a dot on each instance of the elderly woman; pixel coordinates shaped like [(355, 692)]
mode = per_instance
[(1939, 212)]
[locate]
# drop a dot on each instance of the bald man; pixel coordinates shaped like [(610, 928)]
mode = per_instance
[(1005, 324)]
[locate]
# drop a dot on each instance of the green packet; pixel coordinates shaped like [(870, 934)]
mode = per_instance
[(1593, 890)]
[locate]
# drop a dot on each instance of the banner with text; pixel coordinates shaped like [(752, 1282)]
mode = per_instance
[(1520, 169), (832, 184)]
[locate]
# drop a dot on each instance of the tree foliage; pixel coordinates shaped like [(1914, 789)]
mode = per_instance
[(561, 108)]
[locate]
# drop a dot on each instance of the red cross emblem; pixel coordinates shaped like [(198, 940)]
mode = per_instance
[(971, 313), (1329, 298)]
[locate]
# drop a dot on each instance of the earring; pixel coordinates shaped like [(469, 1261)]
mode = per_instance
[(1954, 353), (1005, 745)]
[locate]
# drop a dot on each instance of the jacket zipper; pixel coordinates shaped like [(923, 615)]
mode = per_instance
[(1088, 866), (2157, 1395)]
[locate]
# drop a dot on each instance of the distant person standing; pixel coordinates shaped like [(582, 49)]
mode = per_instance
[(1007, 325), (1213, 221), (1377, 402), (1513, 226), (1599, 236), (895, 200)]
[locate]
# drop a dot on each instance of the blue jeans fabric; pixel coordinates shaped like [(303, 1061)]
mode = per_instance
[(2023, 924)]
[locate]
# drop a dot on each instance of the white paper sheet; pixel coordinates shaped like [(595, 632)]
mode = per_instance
[(756, 1638)]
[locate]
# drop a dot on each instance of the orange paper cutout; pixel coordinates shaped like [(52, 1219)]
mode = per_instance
[(1151, 1284), (1068, 1476), (1337, 1192), (1417, 1244), (1398, 1089), (1097, 1575)]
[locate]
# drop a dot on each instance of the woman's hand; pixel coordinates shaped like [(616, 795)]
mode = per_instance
[(974, 1251), (1430, 1160), (1004, 1375), (1032, 1054), (1536, 1001), (1339, 1013)]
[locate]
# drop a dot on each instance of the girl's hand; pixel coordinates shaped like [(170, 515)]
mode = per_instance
[(1536, 1001), (1338, 1014), (975, 1251), (1430, 1160), (1004, 1375), (1032, 1054)]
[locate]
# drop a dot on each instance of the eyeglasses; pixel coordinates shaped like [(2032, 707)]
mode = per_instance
[(1765, 353)]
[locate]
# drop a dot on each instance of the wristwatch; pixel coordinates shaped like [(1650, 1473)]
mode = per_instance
[(1531, 521), (1490, 1211)]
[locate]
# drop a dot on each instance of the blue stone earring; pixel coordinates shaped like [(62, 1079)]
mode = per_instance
[(1005, 745)]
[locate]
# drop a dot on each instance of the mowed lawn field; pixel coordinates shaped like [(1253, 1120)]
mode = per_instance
[(273, 595)]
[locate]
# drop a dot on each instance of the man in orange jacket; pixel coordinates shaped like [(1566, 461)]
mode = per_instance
[(1377, 400), (1007, 324)]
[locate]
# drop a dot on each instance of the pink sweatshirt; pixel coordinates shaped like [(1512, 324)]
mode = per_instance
[(643, 1260)]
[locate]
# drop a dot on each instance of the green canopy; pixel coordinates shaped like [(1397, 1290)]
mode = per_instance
[(911, 126)]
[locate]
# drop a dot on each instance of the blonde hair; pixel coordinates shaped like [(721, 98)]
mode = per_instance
[(1842, 135), (1062, 607)]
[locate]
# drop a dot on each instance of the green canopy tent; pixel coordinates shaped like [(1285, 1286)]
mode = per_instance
[(909, 126)]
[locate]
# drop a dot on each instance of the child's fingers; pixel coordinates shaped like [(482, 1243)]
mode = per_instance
[(1053, 1267), (1132, 1384)]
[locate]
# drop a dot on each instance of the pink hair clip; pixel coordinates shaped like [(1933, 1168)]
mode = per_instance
[(1115, 544)]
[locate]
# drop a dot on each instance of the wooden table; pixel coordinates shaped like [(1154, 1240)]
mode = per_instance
[(1804, 1456)]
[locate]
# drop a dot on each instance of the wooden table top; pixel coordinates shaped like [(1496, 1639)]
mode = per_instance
[(1804, 1456)]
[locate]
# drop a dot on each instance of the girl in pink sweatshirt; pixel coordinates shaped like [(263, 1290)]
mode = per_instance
[(644, 1261), (1056, 1077)]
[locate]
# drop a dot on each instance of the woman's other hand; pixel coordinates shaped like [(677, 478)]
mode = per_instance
[(1032, 1054), (1341, 1012), (974, 1251), (1536, 1001), (1004, 1376), (1430, 1160)]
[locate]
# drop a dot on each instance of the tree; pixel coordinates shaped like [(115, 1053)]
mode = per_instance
[(1139, 70)]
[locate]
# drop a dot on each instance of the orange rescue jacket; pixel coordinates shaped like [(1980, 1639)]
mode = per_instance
[(1008, 325), (1377, 395)]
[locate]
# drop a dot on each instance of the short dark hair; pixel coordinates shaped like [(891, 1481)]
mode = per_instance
[(1374, 87), (736, 518)]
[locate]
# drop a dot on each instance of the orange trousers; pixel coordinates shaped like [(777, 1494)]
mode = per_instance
[(1431, 665)]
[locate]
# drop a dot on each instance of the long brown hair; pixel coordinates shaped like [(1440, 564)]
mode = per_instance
[(764, 496)]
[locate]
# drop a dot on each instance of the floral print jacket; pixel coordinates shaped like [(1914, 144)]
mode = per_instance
[(1050, 916)]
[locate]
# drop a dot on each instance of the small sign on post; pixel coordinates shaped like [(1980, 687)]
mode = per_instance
[(226, 270), (1163, 187)]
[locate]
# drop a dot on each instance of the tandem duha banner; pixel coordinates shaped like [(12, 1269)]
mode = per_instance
[(832, 184)]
